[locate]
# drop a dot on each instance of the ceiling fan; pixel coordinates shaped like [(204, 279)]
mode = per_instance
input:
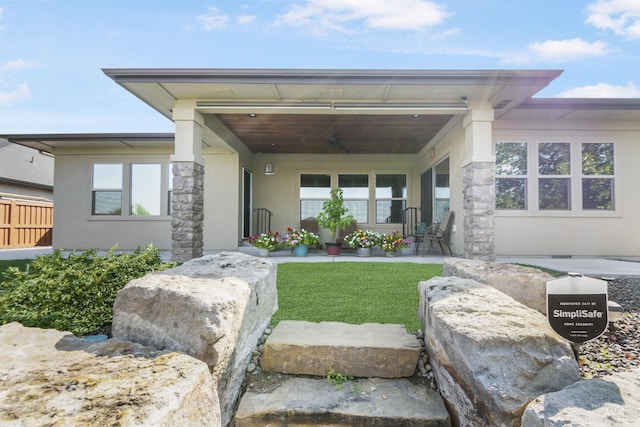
[(335, 141)]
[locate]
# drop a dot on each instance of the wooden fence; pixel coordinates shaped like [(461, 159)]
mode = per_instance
[(25, 224)]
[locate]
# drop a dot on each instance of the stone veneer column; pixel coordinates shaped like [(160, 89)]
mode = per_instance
[(479, 191), (187, 205), (479, 207)]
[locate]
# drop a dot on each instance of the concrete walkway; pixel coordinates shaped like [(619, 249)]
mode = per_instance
[(594, 267)]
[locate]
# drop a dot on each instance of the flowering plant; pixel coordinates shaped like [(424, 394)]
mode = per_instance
[(363, 239), (295, 237), (393, 241), (269, 240)]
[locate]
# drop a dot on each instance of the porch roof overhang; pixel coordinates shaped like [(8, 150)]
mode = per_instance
[(302, 111)]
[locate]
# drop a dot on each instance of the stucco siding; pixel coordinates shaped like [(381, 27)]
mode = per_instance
[(221, 201), (576, 232), (74, 226)]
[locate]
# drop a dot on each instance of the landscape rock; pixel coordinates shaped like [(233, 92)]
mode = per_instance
[(610, 401), (213, 308), (366, 350), (490, 354), (52, 378), (526, 285), (365, 402)]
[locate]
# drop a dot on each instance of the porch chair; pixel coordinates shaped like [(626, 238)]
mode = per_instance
[(418, 234), (342, 233), (442, 234)]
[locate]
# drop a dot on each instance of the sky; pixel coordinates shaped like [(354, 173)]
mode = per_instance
[(52, 52)]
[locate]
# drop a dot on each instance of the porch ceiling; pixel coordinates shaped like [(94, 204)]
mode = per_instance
[(314, 133)]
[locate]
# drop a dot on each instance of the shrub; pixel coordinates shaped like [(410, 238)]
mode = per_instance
[(73, 294)]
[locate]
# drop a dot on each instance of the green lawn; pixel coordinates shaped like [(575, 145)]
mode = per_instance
[(352, 292)]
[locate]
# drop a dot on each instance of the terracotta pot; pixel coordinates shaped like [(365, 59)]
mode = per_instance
[(333, 249)]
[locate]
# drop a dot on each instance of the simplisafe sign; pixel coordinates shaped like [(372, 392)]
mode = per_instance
[(577, 307)]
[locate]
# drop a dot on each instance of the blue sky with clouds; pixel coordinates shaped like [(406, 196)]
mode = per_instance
[(52, 51)]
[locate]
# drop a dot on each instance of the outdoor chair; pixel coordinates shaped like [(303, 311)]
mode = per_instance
[(418, 234), (344, 232), (441, 235)]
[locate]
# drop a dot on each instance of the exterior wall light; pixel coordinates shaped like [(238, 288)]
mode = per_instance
[(269, 169)]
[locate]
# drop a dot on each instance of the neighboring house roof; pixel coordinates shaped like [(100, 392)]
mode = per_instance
[(25, 166)]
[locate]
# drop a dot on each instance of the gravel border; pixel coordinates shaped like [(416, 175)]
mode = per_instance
[(618, 349)]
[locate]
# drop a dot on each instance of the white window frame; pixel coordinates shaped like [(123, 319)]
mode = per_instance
[(532, 140), (125, 213)]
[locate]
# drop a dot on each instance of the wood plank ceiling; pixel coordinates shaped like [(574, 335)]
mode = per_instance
[(314, 133)]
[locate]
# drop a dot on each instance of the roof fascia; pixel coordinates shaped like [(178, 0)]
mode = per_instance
[(330, 76), (582, 103)]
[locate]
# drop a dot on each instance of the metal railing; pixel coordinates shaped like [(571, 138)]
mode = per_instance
[(410, 217), (261, 220)]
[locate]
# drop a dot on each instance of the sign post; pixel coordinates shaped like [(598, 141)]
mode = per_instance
[(577, 308)]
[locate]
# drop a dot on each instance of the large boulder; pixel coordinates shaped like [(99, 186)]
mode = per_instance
[(51, 378), (526, 285), (490, 354), (609, 401), (213, 308)]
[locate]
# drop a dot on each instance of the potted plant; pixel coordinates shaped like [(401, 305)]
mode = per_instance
[(362, 241), (299, 240), (334, 218), (390, 243), (266, 242)]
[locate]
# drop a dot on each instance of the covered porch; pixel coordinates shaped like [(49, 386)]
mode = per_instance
[(270, 139)]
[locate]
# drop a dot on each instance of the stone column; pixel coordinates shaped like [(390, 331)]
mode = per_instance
[(187, 204), (479, 191), (479, 206), (187, 207)]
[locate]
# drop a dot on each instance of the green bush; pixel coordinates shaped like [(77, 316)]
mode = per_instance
[(73, 294)]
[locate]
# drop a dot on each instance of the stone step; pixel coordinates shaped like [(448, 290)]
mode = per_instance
[(367, 350), (362, 402)]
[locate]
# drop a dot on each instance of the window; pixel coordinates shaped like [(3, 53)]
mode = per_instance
[(597, 176), (145, 189), (356, 195), (391, 198), (314, 191), (106, 194), (511, 175), (570, 176), (140, 188), (554, 171)]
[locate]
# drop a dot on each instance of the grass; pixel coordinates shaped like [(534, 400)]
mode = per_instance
[(554, 273), (352, 292)]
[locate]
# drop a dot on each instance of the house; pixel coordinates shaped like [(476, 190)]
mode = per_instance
[(524, 175), (26, 196), (25, 173)]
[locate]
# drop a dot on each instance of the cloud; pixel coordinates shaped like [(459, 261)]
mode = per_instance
[(602, 90), (620, 16), (213, 20), (346, 15), (17, 64), (246, 19), (559, 51), (20, 93)]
